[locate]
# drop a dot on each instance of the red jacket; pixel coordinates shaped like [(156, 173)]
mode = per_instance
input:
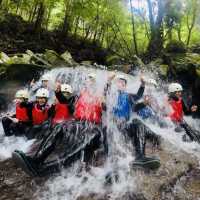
[(88, 107), (21, 113), (177, 110), (38, 115), (61, 113)]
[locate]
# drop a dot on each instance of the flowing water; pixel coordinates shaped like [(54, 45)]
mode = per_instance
[(73, 183)]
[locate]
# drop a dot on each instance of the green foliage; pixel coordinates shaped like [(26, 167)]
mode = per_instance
[(108, 22)]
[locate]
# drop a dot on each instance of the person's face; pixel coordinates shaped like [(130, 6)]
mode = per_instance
[(147, 100), (41, 101), (19, 100), (45, 83), (90, 82), (121, 84), (67, 94), (178, 94)]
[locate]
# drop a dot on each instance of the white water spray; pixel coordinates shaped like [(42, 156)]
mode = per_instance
[(72, 183)]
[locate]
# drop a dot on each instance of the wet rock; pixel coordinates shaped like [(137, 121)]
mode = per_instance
[(173, 167), (152, 185), (86, 62), (176, 47), (195, 48), (4, 57), (21, 72), (66, 56), (138, 63), (127, 196), (113, 60), (52, 57), (37, 59)]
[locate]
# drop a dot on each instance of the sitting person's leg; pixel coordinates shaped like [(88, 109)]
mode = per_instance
[(6, 123), (82, 138), (138, 132)]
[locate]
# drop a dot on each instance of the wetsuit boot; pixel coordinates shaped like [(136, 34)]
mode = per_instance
[(138, 133)]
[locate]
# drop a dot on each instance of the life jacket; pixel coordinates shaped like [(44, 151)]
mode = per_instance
[(61, 113), (123, 108), (177, 110), (38, 115), (88, 107), (21, 113)]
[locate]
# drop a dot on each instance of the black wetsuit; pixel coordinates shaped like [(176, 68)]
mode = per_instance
[(136, 130), (79, 138)]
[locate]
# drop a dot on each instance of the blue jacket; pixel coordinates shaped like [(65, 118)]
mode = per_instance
[(126, 103), (123, 107), (145, 112)]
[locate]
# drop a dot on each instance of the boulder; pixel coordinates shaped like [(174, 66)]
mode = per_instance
[(66, 56), (4, 57), (86, 62), (176, 46), (182, 67), (138, 63), (113, 60), (20, 72), (52, 57)]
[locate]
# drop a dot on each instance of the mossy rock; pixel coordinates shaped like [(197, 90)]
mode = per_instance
[(67, 57), (20, 72), (52, 57), (195, 48), (164, 69), (4, 57), (198, 72), (176, 47), (113, 60), (182, 60)]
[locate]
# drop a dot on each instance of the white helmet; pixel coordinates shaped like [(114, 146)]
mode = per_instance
[(152, 82), (121, 76), (45, 77), (66, 88), (175, 87), (22, 94), (42, 92), (92, 75)]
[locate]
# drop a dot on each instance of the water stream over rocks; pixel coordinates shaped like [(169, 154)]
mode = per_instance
[(175, 179)]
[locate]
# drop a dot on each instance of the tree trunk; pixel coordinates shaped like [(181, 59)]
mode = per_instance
[(76, 26), (125, 43), (87, 33), (97, 19), (40, 18), (33, 12), (66, 23), (133, 30), (194, 16), (65, 28), (48, 17), (102, 37), (18, 4), (179, 32), (156, 41)]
